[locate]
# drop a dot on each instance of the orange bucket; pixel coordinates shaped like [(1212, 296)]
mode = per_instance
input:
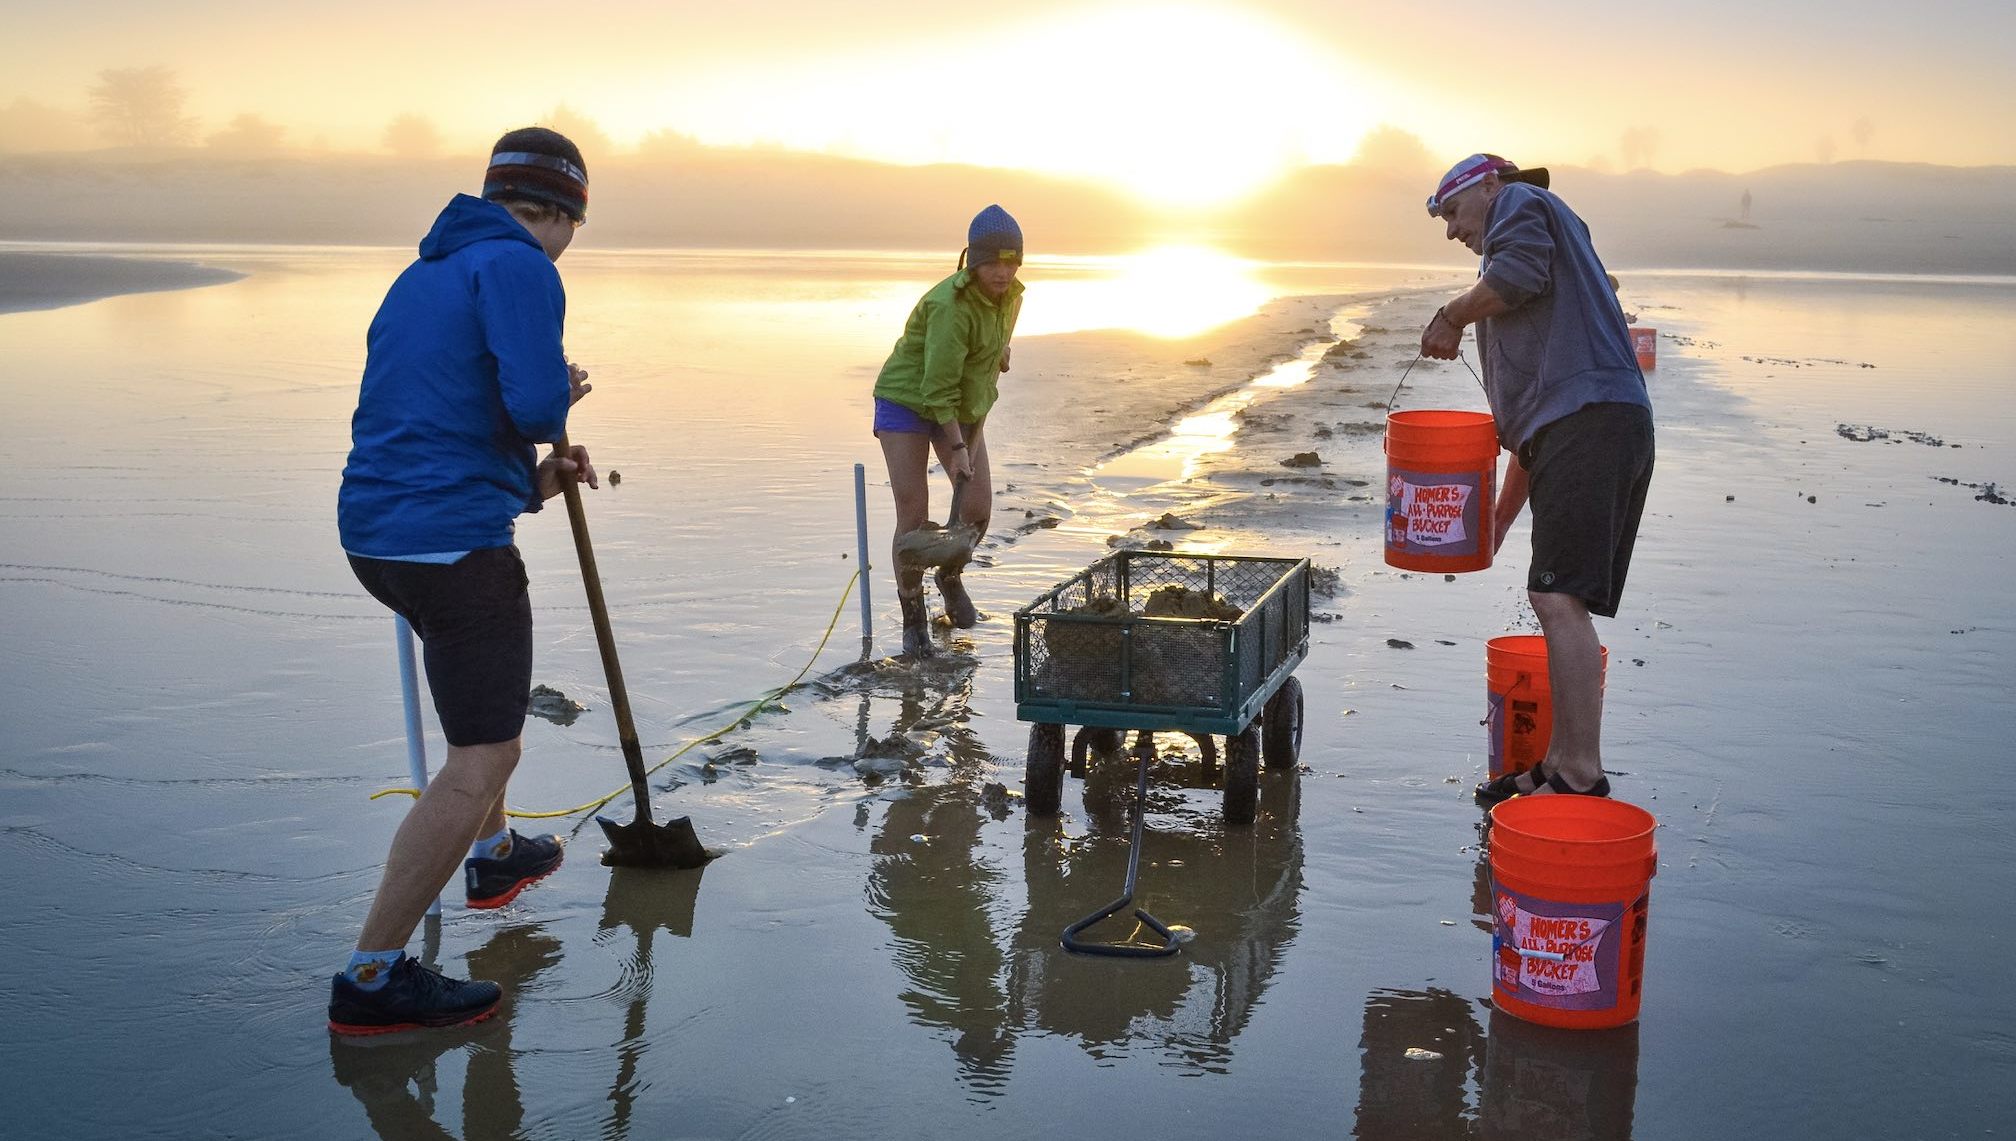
[(1645, 342), (1571, 881), (1519, 701), (1441, 490)]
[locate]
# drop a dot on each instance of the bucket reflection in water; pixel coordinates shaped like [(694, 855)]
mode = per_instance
[(1405, 1093), (1544, 1084)]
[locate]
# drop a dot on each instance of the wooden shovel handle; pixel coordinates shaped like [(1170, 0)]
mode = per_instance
[(605, 637)]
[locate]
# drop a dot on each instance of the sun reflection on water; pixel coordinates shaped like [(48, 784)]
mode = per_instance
[(1170, 292)]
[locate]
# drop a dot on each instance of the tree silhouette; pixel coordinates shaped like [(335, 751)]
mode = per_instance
[(1389, 149), (412, 136), (1863, 131), (141, 107), (1823, 149), (1638, 145), (248, 134), (579, 128)]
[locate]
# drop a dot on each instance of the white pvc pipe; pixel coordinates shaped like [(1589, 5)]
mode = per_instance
[(409, 692), (861, 547)]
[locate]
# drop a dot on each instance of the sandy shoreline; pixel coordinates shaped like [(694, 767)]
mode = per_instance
[(31, 281), (1808, 688)]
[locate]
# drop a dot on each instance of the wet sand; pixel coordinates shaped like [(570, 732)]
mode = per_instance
[(49, 281), (1807, 688)]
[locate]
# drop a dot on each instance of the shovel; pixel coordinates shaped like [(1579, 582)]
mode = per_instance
[(643, 843), (932, 545)]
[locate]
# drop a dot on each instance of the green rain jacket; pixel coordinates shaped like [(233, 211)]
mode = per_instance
[(948, 360)]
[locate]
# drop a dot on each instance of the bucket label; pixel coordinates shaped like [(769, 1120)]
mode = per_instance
[(1433, 513), (1571, 950)]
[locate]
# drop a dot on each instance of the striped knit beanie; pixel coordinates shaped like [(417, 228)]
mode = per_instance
[(534, 164), (993, 237)]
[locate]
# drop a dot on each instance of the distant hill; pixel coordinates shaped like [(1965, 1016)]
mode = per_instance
[(1848, 216)]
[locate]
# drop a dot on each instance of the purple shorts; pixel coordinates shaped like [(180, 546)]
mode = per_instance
[(893, 417)]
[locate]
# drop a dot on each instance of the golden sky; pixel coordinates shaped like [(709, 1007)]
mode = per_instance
[(1185, 103)]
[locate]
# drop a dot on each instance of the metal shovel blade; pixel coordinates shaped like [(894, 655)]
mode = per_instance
[(646, 844)]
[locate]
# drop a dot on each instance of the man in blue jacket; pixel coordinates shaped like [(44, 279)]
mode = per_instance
[(464, 377), (1571, 407)]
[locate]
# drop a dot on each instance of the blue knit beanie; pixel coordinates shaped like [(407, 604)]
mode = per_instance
[(993, 237)]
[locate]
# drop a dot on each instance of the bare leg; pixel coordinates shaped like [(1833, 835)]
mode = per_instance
[(435, 837), (907, 454), (975, 508), (978, 507), (1575, 672), (495, 822)]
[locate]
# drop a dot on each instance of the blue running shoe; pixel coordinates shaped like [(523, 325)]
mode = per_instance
[(494, 883), (412, 997)]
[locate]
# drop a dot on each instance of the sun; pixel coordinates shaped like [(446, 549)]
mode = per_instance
[(1180, 105), (1183, 105)]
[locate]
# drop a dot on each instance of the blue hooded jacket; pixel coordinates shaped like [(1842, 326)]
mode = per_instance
[(464, 375)]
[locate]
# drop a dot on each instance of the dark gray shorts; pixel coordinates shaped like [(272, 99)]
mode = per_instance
[(1587, 474), (474, 619)]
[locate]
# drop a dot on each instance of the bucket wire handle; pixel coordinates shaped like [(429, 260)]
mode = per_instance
[(1417, 360)]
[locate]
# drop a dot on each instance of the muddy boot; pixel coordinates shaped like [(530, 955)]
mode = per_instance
[(958, 607), (916, 627)]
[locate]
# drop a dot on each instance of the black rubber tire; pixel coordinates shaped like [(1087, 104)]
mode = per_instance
[(1242, 776), (1043, 776), (1281, 726)]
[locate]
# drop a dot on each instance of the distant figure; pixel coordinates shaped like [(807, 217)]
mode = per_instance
[(933, 395), (1572, 409), (1746, 205), (464, 375)]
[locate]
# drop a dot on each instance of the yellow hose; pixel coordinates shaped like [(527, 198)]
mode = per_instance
[(761, 703)]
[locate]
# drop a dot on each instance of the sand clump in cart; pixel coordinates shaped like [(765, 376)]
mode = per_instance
[(1083, 660)]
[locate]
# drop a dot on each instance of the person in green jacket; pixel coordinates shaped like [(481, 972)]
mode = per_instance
[(934, 393)]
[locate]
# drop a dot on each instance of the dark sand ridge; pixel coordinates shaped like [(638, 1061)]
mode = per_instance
[(52, 281)]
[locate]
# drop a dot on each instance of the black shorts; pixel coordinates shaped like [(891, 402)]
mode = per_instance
[(1587, 474), (474, 619)]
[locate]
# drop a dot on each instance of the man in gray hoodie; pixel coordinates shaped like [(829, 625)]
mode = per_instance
[(1571, 407)]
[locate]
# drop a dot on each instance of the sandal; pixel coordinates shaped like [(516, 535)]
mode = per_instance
[(1600, 788), (1506, 787)]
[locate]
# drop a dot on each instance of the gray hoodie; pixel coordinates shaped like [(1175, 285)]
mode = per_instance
[(1564, 343)]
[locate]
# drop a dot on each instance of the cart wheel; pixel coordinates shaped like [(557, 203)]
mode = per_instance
[(1089, 739), (1242, 776), (1281, 726), (1043, 776)]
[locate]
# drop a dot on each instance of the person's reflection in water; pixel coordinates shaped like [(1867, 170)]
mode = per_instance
[(395, 1078), (644, 900), (1422, 1095), (1544, 1084), (939, 900), (1239, 888)]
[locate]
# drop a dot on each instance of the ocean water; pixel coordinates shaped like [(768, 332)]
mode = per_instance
[(199, 702)]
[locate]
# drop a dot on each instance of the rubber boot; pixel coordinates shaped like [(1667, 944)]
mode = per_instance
[(916, 628), (958, 606)]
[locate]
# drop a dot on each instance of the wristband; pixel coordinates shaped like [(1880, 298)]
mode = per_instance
[(958, 446)]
